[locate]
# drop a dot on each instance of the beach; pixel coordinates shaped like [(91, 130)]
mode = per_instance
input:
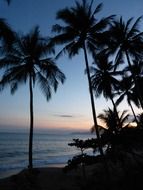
[(114, 175), (51, 178), (49, 150)]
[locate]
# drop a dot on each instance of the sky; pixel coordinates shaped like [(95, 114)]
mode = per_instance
[(69, 108)]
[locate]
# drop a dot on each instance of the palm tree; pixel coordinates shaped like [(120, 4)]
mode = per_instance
[(112, 129), (28, 62), (126, 40), (103, 78), (126, 90), (108, 117), (126, 141), (81, 30)]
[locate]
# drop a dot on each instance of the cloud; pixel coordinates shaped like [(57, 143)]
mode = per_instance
[(65, 116)]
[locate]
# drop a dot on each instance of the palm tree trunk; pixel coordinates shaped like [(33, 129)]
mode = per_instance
[(31, 125), (92, 101), (135, 81), (105, 164)]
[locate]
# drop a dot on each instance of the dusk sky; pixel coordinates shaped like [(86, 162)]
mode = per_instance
[(70, 106)]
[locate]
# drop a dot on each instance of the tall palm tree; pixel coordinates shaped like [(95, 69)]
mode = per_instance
[(103, 79), (126, 90), (126, 39), (81, 30), (28, 62)]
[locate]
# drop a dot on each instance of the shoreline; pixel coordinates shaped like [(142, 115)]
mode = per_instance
[(12, 172), (51, 178)]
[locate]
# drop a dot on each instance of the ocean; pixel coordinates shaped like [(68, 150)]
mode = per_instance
[(48, 150)]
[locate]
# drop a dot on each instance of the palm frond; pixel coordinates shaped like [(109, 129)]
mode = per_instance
[(14, 87), (44, 85), (120, 99), (135, 27), (98, 8)]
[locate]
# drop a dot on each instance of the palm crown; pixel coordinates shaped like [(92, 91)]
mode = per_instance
[(103, 77), (80, 27), (27, 59), (125, 38), (111, 121)]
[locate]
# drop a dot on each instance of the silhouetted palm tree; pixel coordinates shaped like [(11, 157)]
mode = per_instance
[(81, 30), (28, 62), (126, 90), (111, 128), (108, 117), (125, 142), (126, 40), (103, 78)]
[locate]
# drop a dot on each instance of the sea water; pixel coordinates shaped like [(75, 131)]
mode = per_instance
[(48, 150)]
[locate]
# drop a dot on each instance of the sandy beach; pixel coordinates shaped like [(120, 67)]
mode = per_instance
[(116, 177), (51, 178)]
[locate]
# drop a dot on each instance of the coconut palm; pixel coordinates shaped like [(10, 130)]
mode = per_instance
[(28, 62), (103, 78), (112, 128), (126, 41), (126, 141), (126, 89), (81, 30), (108, 117)]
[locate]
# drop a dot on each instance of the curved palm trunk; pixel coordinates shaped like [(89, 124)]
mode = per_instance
[(31, 125), (135, 81), (92, 101)]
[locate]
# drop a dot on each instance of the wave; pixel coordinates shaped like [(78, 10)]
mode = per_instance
[(47, 149)]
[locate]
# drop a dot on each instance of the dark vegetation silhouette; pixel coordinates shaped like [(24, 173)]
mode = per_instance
[(126, 89), (7, 35), (81, 30), (103, 78), (112, 44), (27, 62), (125, 41), (122, 150)]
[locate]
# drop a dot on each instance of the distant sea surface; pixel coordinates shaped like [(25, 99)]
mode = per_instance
[(48, 150)]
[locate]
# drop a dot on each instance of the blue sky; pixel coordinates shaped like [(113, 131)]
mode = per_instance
[(70, 106)]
